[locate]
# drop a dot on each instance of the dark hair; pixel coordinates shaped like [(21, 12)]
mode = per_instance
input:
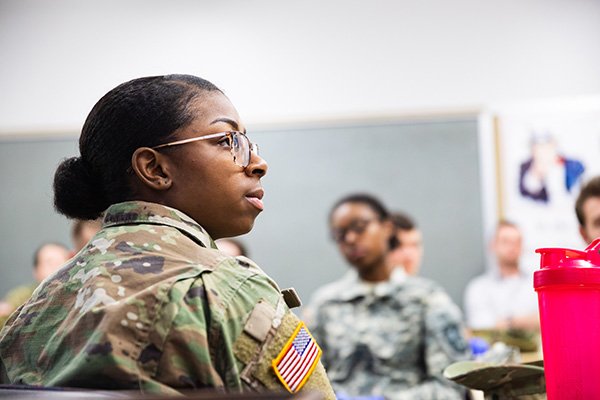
[(590, 189), (370, 201), (36, 255), (373, 202), (503, 223), (402, 221), (141, 112)]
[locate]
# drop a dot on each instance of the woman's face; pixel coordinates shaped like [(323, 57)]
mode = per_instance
[(206, 183), (363, 239)]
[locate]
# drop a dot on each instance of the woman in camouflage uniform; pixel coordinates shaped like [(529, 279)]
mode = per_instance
[(384, 333), (150, 303)]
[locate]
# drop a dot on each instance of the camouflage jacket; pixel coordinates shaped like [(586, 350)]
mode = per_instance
[(151, 304), (391, 339)]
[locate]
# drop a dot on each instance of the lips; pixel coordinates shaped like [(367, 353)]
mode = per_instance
[(355, 254), (255, 198)]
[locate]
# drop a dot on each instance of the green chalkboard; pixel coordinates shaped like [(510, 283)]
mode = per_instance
[(428, 168)]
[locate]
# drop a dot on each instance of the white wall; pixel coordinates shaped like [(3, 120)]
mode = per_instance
[(304, 60)]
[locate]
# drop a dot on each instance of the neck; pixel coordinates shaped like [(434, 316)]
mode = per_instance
[(378, 273), (509, 269)]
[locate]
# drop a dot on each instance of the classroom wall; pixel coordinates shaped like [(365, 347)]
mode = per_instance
[(297, 63), (427, 167), (295, 60)]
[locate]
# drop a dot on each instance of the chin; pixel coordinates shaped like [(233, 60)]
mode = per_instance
[(242, 229)]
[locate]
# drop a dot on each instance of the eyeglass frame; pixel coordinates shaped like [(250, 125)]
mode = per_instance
[(339, 235), (252, 147)]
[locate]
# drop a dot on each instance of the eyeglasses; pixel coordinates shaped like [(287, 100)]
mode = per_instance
[(357, 226), (240, 145)]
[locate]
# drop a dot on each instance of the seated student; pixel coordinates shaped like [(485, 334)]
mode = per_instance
[(587, 208), (408, 253), (47, 259), (150, 303), (503, 298), (383, 333)]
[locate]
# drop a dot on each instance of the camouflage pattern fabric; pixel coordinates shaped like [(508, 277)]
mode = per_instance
[(391, 339), (148, 304)]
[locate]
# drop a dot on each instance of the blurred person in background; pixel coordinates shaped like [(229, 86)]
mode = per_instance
[(587, 208), (47, 259), (384, 334), (409, 250), (82, 231), (232, 247), (503, 298)]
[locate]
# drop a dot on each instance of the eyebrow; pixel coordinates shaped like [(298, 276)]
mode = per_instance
[(229, 121)]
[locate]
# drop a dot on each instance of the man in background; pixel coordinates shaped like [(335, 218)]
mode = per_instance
[(503, 298), (408, 252), (48, 258), (587, 208)]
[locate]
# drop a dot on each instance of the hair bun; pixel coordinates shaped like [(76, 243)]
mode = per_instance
[(77, 192)]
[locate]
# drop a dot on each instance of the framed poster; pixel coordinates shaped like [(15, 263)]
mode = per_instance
[(542, 152)]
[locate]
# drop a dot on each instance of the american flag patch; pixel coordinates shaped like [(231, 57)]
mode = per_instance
[(298, 359)]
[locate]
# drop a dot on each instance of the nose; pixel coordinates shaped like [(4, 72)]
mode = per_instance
[(349, 237), (257, 166)]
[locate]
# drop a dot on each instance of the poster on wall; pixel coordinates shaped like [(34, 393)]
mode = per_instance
[(544, 153)]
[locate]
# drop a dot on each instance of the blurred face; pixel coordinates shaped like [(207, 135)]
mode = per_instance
[(207, 185), (88, 231), (362, 238), (591, 212), (50, 259), (229, 248), (507, 245), (410, 250)]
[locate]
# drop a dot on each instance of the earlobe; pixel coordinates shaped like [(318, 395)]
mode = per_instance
[(151, 168)]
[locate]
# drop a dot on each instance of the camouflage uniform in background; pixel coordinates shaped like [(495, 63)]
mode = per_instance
[(150, 304), (16, 297), (392, 338)]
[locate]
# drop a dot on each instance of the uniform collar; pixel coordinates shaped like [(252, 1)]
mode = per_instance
[(355, 287), (141, 212)]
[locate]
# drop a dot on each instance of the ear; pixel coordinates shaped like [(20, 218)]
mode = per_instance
[(152, 168)]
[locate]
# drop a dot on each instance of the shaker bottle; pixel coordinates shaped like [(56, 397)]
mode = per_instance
[(568, 288)]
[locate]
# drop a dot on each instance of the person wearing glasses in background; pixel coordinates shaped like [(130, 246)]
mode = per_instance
[(150, 303), (384, 334)]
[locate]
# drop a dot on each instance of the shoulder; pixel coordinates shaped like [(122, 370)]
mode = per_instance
[(419, 287), (332, 290), (240, 284), (431, 294), (269, 347), (479, 283)]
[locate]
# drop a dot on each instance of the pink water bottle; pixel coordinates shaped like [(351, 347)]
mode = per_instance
[(568, 287)]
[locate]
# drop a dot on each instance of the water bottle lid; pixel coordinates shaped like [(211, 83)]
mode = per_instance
[(560, 266)]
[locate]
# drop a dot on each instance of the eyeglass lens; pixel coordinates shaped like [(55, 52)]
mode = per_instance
[(357, 226), (242, 148)]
